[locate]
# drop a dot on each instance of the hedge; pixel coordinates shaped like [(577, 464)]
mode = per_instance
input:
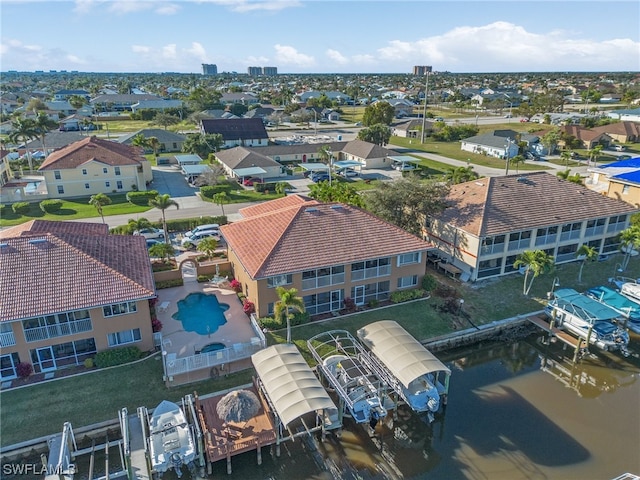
[(263, 187), (299, 318), (21, 208), (209, 191), (178, 282), (50, 206), (405, 295), (141, 198), (117, 356), (179, 225)]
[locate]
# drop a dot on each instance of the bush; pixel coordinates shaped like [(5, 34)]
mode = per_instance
[(373, 303), (21, 208), (429, 283), (156, 325), (248, 307), (24, 369), (264, 187), (50, 206), (117, 356), (88, 363), (349, 305), (406, 295), (236, 286), (177, 282), (276, 324), (141, 198)]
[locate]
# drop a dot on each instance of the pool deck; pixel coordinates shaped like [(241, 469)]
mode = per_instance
[(183, 344)]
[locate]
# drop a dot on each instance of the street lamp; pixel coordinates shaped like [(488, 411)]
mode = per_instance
[(427, 71), (510, 105), (330, 152), (556, 283), (507, 156)]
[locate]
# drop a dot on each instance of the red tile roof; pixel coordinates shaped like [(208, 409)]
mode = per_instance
[(308, 236), (93, 149), (56, 272), (273, 205), (499, 205), (36, 227)]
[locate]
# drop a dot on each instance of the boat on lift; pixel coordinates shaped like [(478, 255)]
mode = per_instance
[(351, 373), (171, 445), (588, 319), (629, 309)]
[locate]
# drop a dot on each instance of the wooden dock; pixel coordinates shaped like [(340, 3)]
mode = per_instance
[(561, 335), (224, 440)]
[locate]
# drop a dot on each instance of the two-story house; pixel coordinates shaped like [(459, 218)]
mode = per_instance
[(246, 132), (327, 251), (490, 221), (93, 165), (70, 290)]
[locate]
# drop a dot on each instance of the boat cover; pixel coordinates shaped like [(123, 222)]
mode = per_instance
[(593, 310), (290, 383), (405, 357)]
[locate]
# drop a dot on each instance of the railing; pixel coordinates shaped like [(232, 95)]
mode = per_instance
[(157, 339), (7, 339), (57, 330), (372, 272), (239, 351)]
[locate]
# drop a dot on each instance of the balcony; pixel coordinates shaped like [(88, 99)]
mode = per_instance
[(7, 339), (57, 330)]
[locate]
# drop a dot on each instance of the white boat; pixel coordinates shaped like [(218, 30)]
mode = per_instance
[(628, 308), (588, 319), (348, 369), (171, 445)]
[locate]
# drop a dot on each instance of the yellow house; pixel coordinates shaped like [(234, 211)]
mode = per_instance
[(327, 251), (70, 290), (93, 165)]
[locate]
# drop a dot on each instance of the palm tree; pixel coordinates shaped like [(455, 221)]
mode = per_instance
[(208, 246), (140, 141), (137, 224), (594, 154), (99, 200), (536, 262), (455, 175), (154, 143), (23, 130), (285, 307), (163, 202), (221, 198), (586, 254), (629, 241), (43, 125), (162, 250)]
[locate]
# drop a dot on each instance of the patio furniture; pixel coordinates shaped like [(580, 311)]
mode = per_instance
[(171, 359), (163, 306)]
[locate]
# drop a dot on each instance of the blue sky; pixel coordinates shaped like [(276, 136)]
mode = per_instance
[(318, 36)]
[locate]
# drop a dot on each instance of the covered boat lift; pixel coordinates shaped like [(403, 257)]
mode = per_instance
[(299, 403), (404, 359)]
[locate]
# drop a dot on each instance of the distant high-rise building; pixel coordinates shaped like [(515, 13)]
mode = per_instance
[(421, 70), (254, 71), (270, 71), (209, 69)]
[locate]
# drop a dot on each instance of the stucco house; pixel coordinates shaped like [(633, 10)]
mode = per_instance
[(619, 180), (491, 145), (93, 165), (589, 138), (402, 107), (369, 155), (246, 132), (490, 221), (623, 132), (412, 128), (241, 162), (168, 141), (327, 251), (70, 290)]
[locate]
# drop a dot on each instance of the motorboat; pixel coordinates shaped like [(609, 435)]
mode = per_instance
[(349, 371), (588, 319), (629, 309), (171, 445)]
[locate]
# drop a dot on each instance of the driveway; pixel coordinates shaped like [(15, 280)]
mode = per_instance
[(170, 180)]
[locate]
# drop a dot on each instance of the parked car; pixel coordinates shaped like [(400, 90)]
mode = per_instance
[(248, 182), (314, 175), (524, 120), (150, 233), (348, 172), (619, 148), (323, 177), (196, 238), (404, 167), (151, 242), (203, 228)]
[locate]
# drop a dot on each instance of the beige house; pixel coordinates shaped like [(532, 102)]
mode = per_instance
[(619, 180), (5, 168), (70, 290), (368, 154), (93, 165), (491, 221), (327, 251)]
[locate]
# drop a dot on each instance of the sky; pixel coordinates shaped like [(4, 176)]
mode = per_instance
[(319, 36)]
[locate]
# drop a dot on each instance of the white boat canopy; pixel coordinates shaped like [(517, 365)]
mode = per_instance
[(405, 357), (290, 383)]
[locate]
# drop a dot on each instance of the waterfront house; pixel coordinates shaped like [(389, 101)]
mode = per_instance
[(619, 180), (70, 290), (328, 251)]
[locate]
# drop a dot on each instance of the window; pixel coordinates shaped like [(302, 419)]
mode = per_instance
[(406, 282), (87, 186), (617, 223), (322, 277), (107, 184), (625, 189), (611, 244), (520, 240), (566, 253), (119, 309), (409, 258), (124, 337), (8, 364), (60, 189), (595, 227), (489, 268), (279, 280), (493, 245), (104, 170), (545, 236), (323, 302), (57, 175), (270, 308), (571, 231), (370, 269), (119, 185), (371, 291), (84, 171), (116, 170)]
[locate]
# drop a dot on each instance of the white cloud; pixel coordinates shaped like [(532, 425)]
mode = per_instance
[(337, 57), (169, 52), (124, 7), (140, 49), (242, 6), (197, 51), (168, 9), (287, 55), (254, 61)]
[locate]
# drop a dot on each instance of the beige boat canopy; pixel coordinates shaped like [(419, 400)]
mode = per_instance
[(290, 383), (405, 357)]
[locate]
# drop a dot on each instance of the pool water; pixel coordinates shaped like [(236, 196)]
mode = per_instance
[(213, 347), (201, 313)]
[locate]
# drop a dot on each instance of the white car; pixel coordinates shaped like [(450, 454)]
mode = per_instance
[(211, 227), (619, 148), (150, 232), (349, 172), (196, 238), (405, 167)]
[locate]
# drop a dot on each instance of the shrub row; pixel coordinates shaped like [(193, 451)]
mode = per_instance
[(117, 356), (176, 282), (141, 198), (406, 295), (264, 187), (50, 206), (209, 191), (21, 208), (179, 225), (298, 318)]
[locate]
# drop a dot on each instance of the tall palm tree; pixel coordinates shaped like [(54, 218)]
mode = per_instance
[(163, 202), (455, 175), (536, 262), (140, 141), (629, 241), (99, 200), (23, 130), (208, 246), (221, 198), (43, 125), (154, 143), (286, 306), (586, 254), (137, 224)]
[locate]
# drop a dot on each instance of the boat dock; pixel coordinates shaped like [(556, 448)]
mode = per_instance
[(135, 448)]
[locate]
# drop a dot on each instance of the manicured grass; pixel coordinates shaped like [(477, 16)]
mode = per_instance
[(72, 209)]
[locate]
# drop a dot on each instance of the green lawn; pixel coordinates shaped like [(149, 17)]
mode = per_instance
[(42, 409), (72, 209)]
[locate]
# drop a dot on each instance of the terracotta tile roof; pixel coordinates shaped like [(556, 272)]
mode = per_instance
[(304, 237), (52, 273), (499, 205), (273, 205), (38, 227), (93, 148)]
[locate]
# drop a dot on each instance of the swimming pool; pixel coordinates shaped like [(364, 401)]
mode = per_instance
[(213, 347), (201, 313)]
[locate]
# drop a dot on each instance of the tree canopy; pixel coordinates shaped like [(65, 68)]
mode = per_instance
[(378, 134), (379, 112), (336, 192), (203, 144)]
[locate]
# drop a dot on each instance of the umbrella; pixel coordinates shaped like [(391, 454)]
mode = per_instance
[(238, 406)]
